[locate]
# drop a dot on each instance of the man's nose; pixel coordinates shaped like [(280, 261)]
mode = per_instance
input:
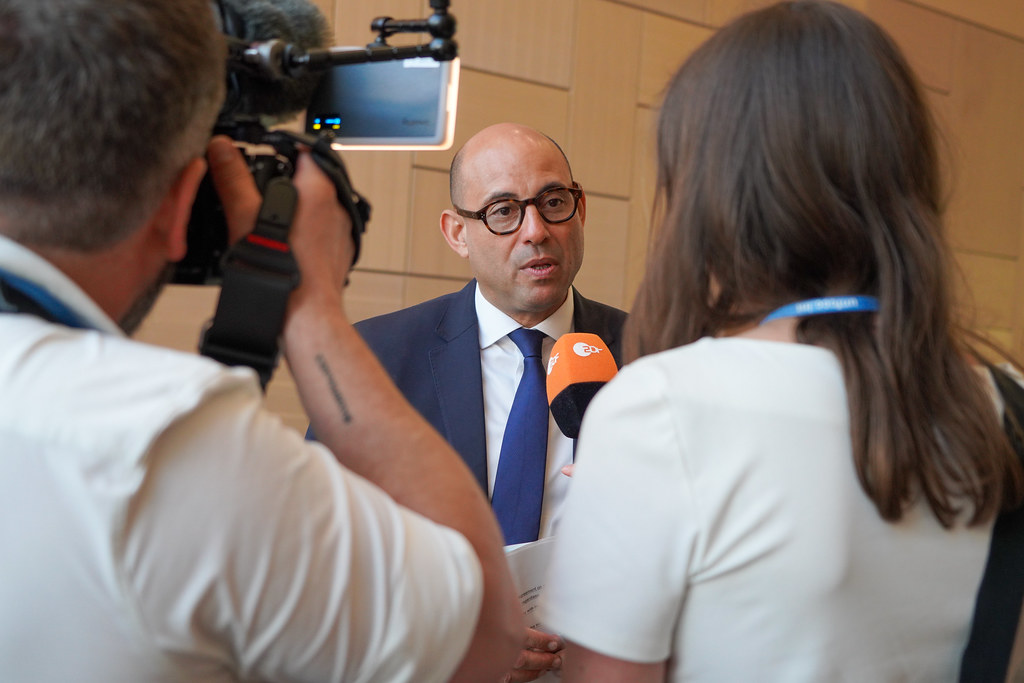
[(535, 228)]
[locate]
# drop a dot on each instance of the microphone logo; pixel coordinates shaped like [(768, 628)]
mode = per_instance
[(583, 349), (552, 361), (581, 363)]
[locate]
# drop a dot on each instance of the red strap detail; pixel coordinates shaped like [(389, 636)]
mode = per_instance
[(268, 243)]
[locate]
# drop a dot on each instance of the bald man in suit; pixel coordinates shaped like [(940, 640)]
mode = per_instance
[(452, 356)]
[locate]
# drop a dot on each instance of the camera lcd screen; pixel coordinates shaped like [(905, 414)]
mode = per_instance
[(407, 103)]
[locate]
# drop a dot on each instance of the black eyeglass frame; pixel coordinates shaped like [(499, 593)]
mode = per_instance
[(576, 191)]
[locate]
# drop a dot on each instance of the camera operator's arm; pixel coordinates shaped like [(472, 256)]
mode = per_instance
[(359, 414)]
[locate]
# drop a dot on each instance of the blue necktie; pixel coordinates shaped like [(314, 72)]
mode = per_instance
[(519, 485)]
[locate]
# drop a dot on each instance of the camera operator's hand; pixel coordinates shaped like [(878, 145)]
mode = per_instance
[(321, 237), (235, 187)]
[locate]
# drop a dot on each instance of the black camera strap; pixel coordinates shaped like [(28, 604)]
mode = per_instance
[(997, 607), (259, 275), (260, 271)]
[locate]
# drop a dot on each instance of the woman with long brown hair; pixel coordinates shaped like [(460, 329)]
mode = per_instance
[(797, 476)]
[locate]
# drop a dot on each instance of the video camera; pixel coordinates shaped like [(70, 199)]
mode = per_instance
[(277, 65)]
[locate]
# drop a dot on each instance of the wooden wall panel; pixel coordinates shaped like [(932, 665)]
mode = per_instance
[(385, 179), (1005, 16), (606, 234), (351, 20), (952, 161), (693, 10), (641, 203), (326, 8), (590, 73), (1017, 343), (1003, 338), (178, 317), (369, 294), (430, 253), (987, 106), (721, 12), (492, 35), (419, 289), (664, 45), (992, 293), (600, 143), (926, 38), (485, 99)]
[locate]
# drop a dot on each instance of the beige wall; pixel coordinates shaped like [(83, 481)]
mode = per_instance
[(589, 73)]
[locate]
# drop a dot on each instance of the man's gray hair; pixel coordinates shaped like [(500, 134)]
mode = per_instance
[(102, 103)]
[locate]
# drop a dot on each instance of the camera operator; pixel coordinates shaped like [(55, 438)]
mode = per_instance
[(159, 524)]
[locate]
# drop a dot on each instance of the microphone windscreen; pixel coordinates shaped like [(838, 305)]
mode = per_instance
[(297, 22), (579, 365)]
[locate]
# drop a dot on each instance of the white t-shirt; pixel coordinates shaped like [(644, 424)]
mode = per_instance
[(159, 524), (715, 519)]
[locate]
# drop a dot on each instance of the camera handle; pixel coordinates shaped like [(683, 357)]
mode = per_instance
[(260, 271)]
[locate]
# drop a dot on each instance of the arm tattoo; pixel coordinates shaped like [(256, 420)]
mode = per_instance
[(338, 398)]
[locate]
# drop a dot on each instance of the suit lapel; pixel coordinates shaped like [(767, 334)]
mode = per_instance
[(455, 365), (593, 319)]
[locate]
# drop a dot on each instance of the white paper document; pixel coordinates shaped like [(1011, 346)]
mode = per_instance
[(528, 564)]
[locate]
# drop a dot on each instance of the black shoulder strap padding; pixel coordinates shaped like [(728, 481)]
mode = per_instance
[(998, 606)]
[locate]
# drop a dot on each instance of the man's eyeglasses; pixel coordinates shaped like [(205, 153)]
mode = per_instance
[(505, 216)]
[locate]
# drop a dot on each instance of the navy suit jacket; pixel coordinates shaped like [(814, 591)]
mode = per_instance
[(432, 352)]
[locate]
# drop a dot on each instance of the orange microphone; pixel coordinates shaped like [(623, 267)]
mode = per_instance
[(580, 364)]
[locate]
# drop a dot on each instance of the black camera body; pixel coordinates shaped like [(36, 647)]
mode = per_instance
[(254, 93), (274, 65), (207, 229)]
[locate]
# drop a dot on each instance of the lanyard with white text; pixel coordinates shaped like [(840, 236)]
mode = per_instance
[(825, 304)]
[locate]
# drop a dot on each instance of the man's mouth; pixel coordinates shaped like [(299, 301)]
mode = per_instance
[(540, 267)]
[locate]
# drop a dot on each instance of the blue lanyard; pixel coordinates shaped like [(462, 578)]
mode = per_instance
[(56, 309), (826, 304)]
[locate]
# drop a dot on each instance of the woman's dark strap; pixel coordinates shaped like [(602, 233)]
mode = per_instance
[(998, 605)]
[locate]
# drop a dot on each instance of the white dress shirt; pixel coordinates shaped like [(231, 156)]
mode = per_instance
[(502, 366)]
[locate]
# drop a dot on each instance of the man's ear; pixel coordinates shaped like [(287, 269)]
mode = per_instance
[(582, 209), (454, 230), (172, 218)]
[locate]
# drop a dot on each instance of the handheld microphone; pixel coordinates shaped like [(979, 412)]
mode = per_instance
[(580, 364)]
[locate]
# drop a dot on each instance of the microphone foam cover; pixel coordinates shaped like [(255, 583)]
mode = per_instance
[(297, 22), (580, 364)]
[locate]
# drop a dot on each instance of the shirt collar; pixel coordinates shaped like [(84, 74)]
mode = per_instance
[(494, 324), (23, 262)]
